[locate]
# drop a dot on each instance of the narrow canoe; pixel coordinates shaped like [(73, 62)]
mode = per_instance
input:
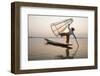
[(58, 44)]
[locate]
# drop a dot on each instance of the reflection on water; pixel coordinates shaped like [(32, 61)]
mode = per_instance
[(38, 49)]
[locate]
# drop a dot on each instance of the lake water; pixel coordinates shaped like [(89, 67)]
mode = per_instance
[(39, 50)]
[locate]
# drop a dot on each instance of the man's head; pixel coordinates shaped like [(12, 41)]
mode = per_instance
[(72, 29)]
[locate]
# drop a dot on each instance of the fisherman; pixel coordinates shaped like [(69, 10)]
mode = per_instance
[(70, 32)]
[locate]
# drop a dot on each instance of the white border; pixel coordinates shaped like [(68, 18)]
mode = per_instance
[(25, 64)]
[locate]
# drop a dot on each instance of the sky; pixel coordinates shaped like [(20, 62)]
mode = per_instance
[(39, 25)]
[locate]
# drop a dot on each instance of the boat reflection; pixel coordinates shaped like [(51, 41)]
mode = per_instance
[(67, 55)]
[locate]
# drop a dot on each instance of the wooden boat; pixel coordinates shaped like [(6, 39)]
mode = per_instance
[(58, 44)]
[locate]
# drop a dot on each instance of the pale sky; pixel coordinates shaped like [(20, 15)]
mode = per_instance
[(39, 25)]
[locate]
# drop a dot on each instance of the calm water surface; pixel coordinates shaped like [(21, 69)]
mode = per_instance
[(39, 50)]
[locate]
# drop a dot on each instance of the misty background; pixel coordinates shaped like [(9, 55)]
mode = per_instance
[(39, 25)]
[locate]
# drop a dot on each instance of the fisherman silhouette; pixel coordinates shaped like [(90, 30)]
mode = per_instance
[(60, 31), (68, 34)]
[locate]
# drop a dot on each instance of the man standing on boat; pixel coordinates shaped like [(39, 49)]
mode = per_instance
[(60, 30), (68, 34)]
